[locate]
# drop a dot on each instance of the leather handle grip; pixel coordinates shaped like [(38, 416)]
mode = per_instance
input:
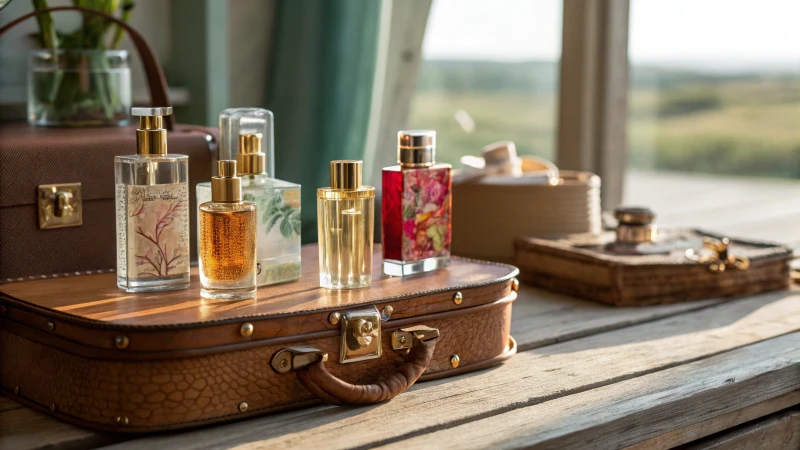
[(159, 96), (316, 378)]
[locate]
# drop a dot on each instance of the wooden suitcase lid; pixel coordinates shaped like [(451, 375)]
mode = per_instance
[(91, 310)]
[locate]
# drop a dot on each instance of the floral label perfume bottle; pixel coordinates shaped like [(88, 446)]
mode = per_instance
[(277, 201), (159, 217), (152, 202), (416, 209), (345, 213)]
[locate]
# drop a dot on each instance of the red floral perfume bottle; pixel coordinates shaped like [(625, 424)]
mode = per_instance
[(416, 207)]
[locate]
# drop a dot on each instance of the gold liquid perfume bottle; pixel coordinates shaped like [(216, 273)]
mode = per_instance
[(345, 225), (227, 232), (152, 200)]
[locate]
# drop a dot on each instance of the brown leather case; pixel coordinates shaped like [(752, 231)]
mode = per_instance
[(33, 156), (85, 352)]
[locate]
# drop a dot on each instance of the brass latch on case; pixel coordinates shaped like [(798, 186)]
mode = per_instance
[(407, 337), (360, 335), (295, 358), (60, 205), (716, 255)]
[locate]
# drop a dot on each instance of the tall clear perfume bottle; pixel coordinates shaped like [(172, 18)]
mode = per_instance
[(152, 199), (345, 213), (416, 208), (247, 136), (227, 239)]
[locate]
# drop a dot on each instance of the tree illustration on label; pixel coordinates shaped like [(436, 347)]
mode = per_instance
[(158, 220)]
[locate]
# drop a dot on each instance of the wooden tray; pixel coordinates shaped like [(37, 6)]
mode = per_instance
[(585, 266)]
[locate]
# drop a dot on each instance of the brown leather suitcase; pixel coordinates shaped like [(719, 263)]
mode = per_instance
[(39, 164), (88, 353)]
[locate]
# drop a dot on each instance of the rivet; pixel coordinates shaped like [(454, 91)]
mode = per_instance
[(243, 407), (402, 339), (51, 326), (122, 420), (16, 390), (284, 363), (454, 360), (515, 285), (388, 310), (122, 342), (52, 407), (334, 318), (247, 329), (458, 298)]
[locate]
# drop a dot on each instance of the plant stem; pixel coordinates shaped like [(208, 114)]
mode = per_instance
[(127, 7), (47, 29)]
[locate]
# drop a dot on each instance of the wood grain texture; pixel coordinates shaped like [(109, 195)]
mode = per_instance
[(625, 413), (97, 298), (719, 423), (533, 377), (779, 431)]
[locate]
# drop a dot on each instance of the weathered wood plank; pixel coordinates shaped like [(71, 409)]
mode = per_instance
[(625, 413), (698, 430), (782, 430), (532, 377), (544, 318), (24, 428)]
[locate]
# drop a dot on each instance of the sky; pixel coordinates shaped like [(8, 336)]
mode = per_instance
[(743, 34)]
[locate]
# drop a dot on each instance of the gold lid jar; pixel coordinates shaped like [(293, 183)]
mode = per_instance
[(226, 187)]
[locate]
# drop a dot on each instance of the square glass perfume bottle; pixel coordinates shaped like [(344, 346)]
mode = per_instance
[(152, 204), (227, 239), (416, 208), (247, 136), (345, 213)]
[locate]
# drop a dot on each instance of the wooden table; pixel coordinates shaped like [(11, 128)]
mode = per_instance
[(711, 374)]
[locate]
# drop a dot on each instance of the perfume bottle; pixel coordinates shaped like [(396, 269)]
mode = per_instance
[(152, 202), (345, 213), (416, 208), (227, 239), (246, 135)]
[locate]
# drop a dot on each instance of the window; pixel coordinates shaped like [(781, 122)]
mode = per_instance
[(490, 73), (714, 87)]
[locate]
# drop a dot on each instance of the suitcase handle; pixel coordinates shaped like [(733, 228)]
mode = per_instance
[(159, 96), (309, 364)]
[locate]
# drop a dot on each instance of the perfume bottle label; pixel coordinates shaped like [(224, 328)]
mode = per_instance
[(426, 213), (157, 230)]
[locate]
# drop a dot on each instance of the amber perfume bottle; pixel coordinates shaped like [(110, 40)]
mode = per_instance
[(246, 134), (345, 213), (416, 208), (152, 199), (227, 239)]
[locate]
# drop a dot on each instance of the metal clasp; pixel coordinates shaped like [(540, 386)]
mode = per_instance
[(407, 337), (295, 358), (60, 205), (361, 335), (717, 256)]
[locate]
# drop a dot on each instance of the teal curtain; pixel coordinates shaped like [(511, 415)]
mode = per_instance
[(320, 89)]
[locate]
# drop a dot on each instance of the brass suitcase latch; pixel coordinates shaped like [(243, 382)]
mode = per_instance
[(60, 206)]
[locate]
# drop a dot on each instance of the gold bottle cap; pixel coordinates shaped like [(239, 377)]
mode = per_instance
[(226, 187), (251, 160), (346, 182), (416, 148), (151, 136), (346, 174)]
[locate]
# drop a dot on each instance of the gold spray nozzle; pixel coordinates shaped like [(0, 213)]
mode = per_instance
[(251, 160), (226, 187), (151, 136)]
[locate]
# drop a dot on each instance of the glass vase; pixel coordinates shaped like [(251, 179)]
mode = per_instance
[(78, 88)]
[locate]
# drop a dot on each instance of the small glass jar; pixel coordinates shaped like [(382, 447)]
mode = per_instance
[(76, 88)]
